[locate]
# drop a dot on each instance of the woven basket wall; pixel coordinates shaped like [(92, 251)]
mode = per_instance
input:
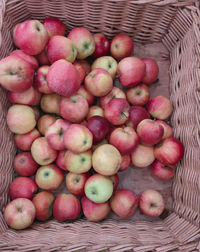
[(176, 24)]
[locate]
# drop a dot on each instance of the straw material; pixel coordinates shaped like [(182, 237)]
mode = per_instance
[(170, 27)]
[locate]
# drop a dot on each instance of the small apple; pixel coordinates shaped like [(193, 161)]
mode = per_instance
[(85, 64), (151, 72), (80, 70), (54, 26), (162, 171), (115, 180), (138, 95), (126, 161), (60, 160), (41, 81), (102, 45), (95, 111), (24, 164), (168, 131), (136, 115), (50, 103), (143, 156), (44, 123)]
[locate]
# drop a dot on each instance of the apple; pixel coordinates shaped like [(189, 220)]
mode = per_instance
[(117, 111), (121, 46), (43, 58), (95, 111), (75, 183), (160, 107), (78, 138), (124, 202), (115, 181), (151, 72), (106, 62), (37, 99), (126, 161), (98, 188), (94, 212), (22, 187), (85, 94), (138, 95), (168, 131), (151, 203), (74, 108), (63, 78), (60, 160), (44, 123), (136, 115), (55, 132), (42, 152), (50, 103), (162, 171), (24, 164), (43, 202), (54, 26), (41, 81), (78, 162), (14, 36), (131, 71), (66, 207), (143, 156), (19, 213), (85, 64), (106, 160), (170, 151), (16, 74), (149, 132), (102, 45), (83, 40), (36, 112), (31, 37), (80, 70)]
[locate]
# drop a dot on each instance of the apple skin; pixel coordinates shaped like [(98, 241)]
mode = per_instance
[(75, 183), (85, 94), (22, 187), (106, 160), (42, 152), (126, 161), (50, 103), (78, 138), (94, 212), (98, 188), (24, 164), (149, 132), (31, 37), (136, 115), (102, 45), (161, 171), (43, 58), (117, 111), (160, 107), (66, 207), (95, 111), (40, 80), (124, 139), (19, 213), (49, 177), (95, 146), (80, 70), (43, 202), (152, 70), (138, 95), (115, 181), (143, 156), (168, 131), (124, 202), (121, 46), (170, 151), (44, 123), (151, 203), (54, 26), (74, 109), (85, 64)]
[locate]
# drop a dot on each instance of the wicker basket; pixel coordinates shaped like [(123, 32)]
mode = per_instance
[(171, 24)]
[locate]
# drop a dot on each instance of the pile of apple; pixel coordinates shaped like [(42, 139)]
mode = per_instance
[(71, 123)]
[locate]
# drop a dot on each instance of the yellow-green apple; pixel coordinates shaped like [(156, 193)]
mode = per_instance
[(138, 95), (75, 182), (19, 213), (117, 111), (124, 139), (60, 160), (170, 151), (143, 156), (50, 103), (22, 187), (115, 180), (44, 123), (162, 171), (106, 62), (98, 82), (31, 37), (136, 115), (74, 108), (54, 26), (78, 138), (160, 107), (94, 212), (151, 203), (42, 152), (126, 161), (131, 71), (24, 164), (16, 74), (66, 207), (60, 47), (43, 202), (85, 64), (43, 58), (49, 177), (149, 132), (121, 46), (102, 45), (80, 70), (87, 95), (63, 78), (124, 202), (98, 188), (20, 119), (41, 81), (168, 131), (83, 40), (151, 72), (55, 132), (78, 162), (114, 93), (95, 111), (106, 160)]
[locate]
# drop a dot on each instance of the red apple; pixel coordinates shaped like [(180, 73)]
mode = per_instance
[(136, 115), (138, 95), (168, 131), (54, 26), (43, 58), (143, 156), (115, 180), (41, 81), (102, 45), (80, 70), (162, 171), (85, 64), (50, 103), (152, 70), (60, 160), (44, 123), (24, 164), (95, 111), (126, 161)]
